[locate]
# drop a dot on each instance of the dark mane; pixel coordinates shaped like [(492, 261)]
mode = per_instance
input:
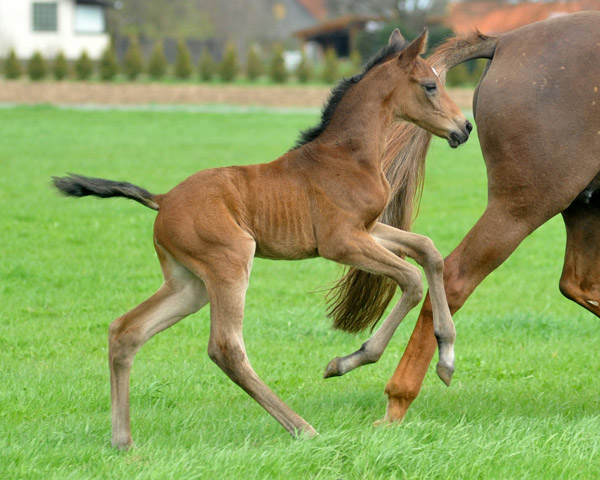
[(338, 92)]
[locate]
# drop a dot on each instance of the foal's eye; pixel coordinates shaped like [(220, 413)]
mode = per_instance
[(430, 87)]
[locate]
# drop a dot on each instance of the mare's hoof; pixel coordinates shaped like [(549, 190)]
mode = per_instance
[(333, 368), (445, 372)]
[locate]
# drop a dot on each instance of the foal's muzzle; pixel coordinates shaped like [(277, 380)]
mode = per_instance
[(459, 136)]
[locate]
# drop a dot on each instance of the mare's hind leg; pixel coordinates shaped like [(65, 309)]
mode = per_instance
[(226, 274), (424, 252), (181, 294), (362, 251), (580, 280)]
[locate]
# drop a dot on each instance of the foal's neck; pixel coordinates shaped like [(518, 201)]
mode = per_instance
[(359, 126)]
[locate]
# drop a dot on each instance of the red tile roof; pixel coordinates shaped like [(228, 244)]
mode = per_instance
[(316, 8), (489, 18)]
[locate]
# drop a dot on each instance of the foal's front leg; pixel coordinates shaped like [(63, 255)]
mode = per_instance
[(362, 251), (422, 250), (227, 284)]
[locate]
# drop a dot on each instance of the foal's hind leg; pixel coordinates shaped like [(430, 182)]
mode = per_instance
[(181, 294), (365, 253), (424, 252), (580, 280)]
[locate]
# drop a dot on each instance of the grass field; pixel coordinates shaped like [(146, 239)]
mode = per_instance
[(524, 402)]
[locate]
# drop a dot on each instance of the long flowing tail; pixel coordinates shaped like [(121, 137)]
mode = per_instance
[(359, 299), (80, 186)]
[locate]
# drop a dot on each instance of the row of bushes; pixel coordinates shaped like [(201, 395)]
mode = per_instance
[(156, 67)]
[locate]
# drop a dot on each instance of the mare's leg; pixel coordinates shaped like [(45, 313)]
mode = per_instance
[(360, 250), (580, 280), (424, 252), (493, 238), (181, 294), (226, 275)]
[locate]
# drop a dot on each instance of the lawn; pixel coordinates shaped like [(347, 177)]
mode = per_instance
[(524, 402)]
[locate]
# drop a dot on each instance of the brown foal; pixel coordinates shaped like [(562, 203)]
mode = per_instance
[(323, 198)]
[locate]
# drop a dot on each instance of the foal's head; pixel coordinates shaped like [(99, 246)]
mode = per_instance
[(419, 97)]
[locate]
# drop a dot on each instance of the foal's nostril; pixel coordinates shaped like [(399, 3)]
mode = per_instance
[(468, 126)]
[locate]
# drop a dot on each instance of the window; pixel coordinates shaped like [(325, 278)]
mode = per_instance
[(45, 17), (89, 19)]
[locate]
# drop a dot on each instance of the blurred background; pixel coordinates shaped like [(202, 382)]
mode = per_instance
[(243, 42)]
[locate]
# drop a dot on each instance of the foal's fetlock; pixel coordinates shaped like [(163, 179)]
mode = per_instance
[(341, 365)]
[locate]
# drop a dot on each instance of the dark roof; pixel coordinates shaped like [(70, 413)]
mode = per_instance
[(336, 24), (102, 3)]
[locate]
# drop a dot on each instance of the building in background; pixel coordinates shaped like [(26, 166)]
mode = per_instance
[(491, 18), (70, 26)]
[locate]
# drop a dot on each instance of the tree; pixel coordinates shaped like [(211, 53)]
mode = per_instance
[(133, 64), (330, 70), (229, 66), (254, 66), (60, 67), (108, 65), (207, 65), (84, 67), (183, 61), (157, 66), (37, 66), (12, 67), (278, 72), (304, 70)]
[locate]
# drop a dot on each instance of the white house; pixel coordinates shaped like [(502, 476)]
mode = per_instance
[(51, 26)]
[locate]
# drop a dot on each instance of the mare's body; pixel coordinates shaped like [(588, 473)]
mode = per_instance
[(537, 110)]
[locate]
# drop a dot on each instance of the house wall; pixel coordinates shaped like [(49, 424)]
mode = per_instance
[(16, 31)]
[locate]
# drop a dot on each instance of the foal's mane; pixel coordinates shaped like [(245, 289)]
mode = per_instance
[(338, 92)]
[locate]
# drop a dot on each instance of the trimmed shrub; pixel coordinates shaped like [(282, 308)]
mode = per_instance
[(183, 61), (304, 70), (277, 70), (254, 66), (12, 67), (458, 75), (84, 67), (36, 68), (355, 62), (157, 66), (331, 68), (108, 65), (133, 64), (60, 67), (208, 66), (229, 66)]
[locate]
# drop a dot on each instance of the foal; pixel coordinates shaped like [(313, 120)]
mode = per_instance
[(323, 198)]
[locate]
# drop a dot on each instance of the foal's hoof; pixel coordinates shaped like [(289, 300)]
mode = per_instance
[(123, 445), (445, 372), (333, 368)]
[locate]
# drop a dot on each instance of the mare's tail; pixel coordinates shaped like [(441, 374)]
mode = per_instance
[(80, 186), (359, 299)]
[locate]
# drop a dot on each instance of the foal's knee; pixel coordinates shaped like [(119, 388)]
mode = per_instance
[(228, 355), (412, 287), (432, 258), (122, 344)]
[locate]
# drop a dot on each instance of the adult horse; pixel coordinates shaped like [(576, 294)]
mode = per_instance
[(322, 198), (537, 108)]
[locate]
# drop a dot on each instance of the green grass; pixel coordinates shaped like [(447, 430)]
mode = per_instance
[(524, 402)]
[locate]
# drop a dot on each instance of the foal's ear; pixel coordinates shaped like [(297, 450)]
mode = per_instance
[(396, 39), (414, 49)]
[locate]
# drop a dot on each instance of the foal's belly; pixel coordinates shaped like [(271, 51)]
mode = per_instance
[(283, 228)]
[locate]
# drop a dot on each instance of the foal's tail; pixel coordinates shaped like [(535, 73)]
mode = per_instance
[(359, 299), (80, 186)]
